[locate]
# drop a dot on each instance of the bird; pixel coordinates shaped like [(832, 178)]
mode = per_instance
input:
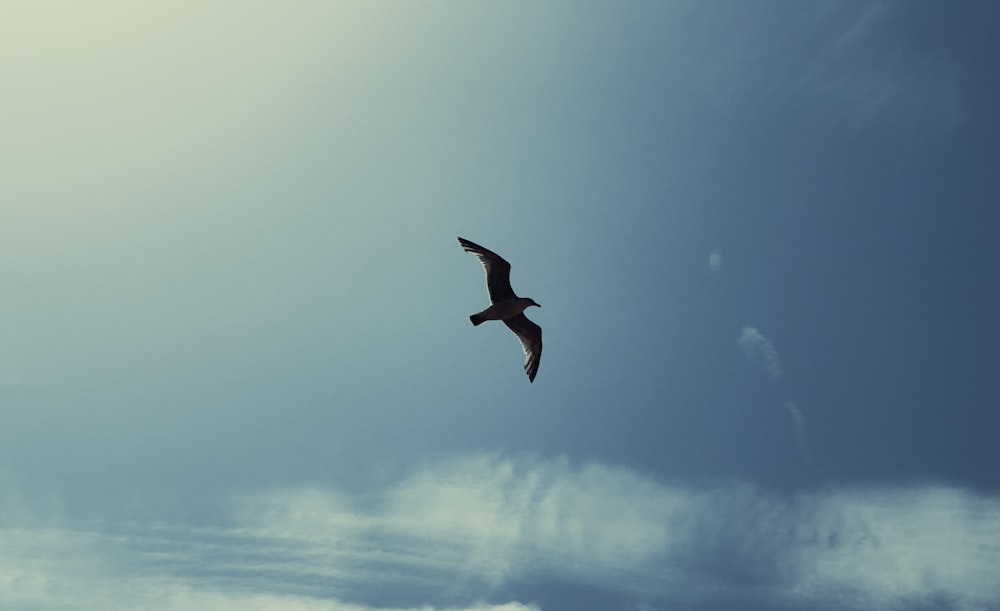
[(507, 306)]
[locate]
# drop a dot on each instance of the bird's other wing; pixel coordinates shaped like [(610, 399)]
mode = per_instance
[(530, 336), (497, 271)]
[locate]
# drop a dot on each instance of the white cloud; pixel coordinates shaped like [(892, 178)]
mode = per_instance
[(79, 570), (900, 547), (493, 519), (715, 260), (455, 531), (758, 348)]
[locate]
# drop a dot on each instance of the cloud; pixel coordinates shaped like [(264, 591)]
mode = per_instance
[(852, 64), (869, 70), (758, 348), (799, 423), (459, 531), (715, 260), (899, 547), (486, 520), (120, 571)]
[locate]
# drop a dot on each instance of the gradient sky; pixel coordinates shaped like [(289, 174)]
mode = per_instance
[(236, 366)]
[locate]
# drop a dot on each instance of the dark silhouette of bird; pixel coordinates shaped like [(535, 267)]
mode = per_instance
[(507, 306)]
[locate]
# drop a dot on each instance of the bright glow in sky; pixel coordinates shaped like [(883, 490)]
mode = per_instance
[(236, 367)]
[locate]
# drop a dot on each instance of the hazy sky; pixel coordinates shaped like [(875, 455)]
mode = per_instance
[(236, 365)]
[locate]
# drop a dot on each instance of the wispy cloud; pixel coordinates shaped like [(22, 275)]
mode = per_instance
[(454, 532), (853, 63), (799, 424), (715, 260), (126, 568), (758, 348), (867, 70)]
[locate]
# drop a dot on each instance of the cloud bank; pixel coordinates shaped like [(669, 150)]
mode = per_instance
[(457, 532)]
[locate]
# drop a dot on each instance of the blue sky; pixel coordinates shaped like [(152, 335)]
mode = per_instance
[(236, 367)]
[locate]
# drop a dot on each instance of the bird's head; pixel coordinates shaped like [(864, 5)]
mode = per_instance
[(534, 303)]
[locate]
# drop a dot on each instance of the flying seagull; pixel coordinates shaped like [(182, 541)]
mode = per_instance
[(507, 306)]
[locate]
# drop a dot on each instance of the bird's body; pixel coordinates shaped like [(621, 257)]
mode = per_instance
[(502, 310), (507, 306)]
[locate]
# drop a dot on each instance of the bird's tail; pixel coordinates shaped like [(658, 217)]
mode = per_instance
[(477, 319)]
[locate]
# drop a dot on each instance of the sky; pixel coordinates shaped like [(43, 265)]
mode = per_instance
[(236, 366)]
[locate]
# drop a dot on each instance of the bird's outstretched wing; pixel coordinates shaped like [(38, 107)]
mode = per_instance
[(530, 336), (497, 271)]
